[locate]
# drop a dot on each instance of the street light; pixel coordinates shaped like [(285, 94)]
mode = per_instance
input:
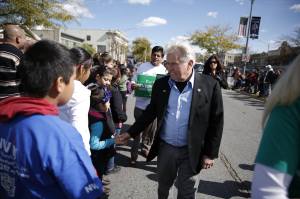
[(248, 33)]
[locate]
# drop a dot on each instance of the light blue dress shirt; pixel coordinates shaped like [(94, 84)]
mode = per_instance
[(176, 119)]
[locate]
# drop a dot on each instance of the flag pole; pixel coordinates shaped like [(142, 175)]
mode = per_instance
[(248, 35)]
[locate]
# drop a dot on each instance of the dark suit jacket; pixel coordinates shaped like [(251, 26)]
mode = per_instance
[(205, 121)]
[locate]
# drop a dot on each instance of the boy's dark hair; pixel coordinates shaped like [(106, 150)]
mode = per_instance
[(42, 64), (158, 49)]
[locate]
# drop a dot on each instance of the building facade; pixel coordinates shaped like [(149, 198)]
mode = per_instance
[(278, 58), (227, 59), (58, 35), (111, 41)]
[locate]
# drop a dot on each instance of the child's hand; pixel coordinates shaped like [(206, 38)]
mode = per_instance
[(134, 86), (107, 105), (104, 107), (118, 140)]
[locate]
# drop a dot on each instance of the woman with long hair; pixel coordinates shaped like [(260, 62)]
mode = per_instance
[(214, 68), (277, 169), (76, 110)]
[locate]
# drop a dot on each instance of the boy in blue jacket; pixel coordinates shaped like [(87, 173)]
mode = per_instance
[(42, 156)]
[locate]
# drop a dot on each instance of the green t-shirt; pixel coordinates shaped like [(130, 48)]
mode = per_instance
[(280, 144)]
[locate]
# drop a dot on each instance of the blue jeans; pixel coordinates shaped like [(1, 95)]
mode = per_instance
[(111, 161)]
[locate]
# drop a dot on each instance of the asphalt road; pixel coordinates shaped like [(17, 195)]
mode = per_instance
[(231, 175)]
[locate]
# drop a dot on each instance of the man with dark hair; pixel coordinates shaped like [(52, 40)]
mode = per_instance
[(10, 56), (43, 156), (146, 70)]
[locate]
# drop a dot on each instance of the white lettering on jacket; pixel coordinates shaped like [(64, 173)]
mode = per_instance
[(7, 147)]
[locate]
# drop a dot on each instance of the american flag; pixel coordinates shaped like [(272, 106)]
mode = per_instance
[(243, 27)]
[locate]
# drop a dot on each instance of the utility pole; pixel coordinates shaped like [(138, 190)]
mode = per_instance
[(145, 54), (248, 35)]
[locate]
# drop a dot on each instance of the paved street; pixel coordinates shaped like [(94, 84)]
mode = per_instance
[(232, 173)]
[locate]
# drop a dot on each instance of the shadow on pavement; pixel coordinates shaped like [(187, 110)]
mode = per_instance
[(152, 176), (227, 189), (124, 161), (248, 100), (247, 167)]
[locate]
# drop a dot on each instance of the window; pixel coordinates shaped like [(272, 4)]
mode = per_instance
[(88, 37), (101, 48)]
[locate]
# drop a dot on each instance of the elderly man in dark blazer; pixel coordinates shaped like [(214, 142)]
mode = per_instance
[(189, 111)]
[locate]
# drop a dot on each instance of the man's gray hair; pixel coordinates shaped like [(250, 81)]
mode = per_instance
[(185, 51)]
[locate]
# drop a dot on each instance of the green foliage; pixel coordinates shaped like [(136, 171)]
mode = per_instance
[(48, 13), (202, 58), (88, 48), (141, 49), (215, 39)]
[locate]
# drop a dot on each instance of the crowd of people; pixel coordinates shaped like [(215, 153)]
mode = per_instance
[(78, 96), (258, 81), (62, 113)]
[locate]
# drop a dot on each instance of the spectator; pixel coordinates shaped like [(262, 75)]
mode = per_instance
[(46, 156), (10, 56), (76, 110), (118, 115), (152, 69), (214, 68), (277, 168), (269, 80), (123, 86), (100, 121)]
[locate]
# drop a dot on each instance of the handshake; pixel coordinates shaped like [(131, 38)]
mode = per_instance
[(122, 139)]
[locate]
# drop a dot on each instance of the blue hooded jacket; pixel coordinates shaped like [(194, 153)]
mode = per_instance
[(42, 156)]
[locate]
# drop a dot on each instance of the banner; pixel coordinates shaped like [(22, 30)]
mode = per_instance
[(254, 27), (144, 85), (243, 27)]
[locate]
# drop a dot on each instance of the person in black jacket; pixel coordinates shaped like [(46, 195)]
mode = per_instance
[(118, 115), (188, 107), (214, 68), (116, 101)]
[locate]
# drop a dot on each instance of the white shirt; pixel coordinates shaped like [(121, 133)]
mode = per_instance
[(269, 183), (76, 112), (147, 69)]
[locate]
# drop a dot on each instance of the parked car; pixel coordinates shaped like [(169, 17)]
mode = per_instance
[(199, 67)]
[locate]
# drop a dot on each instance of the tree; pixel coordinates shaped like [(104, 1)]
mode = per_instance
[(215, 39), (47, 13), (88, 48), (141, 48), (202, 58), (295, 38)]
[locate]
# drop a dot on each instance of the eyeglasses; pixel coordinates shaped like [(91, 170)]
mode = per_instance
[(213, 62)]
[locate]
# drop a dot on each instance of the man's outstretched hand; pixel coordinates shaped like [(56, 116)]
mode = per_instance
[(207, 162), (123, 138)]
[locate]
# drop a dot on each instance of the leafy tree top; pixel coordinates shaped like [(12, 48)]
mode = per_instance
[(141, 48), (215, 39), (47, 13)]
